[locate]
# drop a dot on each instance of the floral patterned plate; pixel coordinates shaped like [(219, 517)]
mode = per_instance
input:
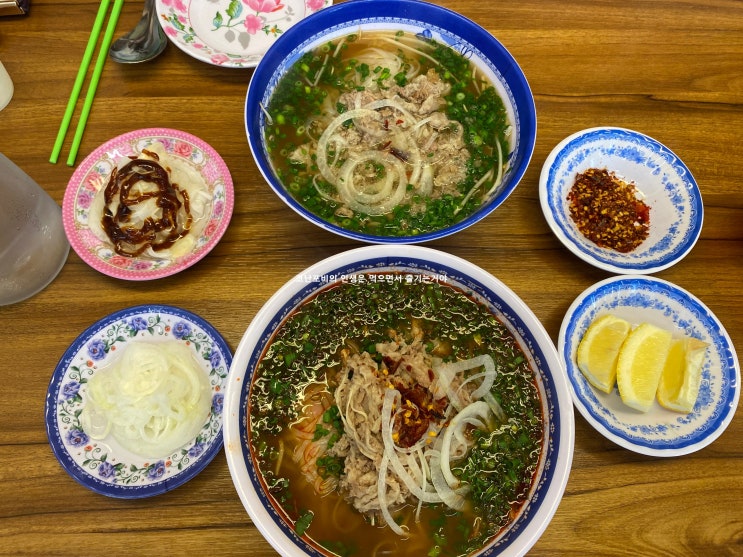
[(658, 432), (92, 174), (104, 466), (231, 33)]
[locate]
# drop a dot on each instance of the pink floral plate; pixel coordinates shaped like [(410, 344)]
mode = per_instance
[(92, 174), (231, 33)]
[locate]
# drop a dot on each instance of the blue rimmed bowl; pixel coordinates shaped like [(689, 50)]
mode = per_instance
[(664, 182), (444, 26), (657, 432), (557, 410)]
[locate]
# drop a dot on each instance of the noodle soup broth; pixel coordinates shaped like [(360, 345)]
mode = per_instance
[(390, 121), (393, 413), (387, 133)]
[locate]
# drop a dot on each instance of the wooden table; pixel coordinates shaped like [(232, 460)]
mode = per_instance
[(670, 69)]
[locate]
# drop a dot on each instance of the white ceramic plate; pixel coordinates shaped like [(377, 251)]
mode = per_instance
[(104, 466), (659, 432), (668, 187), (231, 33)]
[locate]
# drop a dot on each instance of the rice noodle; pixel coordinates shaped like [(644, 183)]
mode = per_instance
[(319, 73), (499, 177), (405, 453), (485, 178), (410, 48)]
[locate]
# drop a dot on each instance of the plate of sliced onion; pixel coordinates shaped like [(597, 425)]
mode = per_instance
[(148, 204), (134, 407)]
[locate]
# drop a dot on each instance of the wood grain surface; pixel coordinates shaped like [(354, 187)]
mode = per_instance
[(670, 69)]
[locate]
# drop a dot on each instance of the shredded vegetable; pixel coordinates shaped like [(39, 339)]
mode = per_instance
[(152, 400)]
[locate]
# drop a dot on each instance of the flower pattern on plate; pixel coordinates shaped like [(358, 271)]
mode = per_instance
[(93, 174), (659, 432), (103, 465), (231, 33)]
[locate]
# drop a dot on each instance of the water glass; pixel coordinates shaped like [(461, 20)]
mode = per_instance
[(33, 244)]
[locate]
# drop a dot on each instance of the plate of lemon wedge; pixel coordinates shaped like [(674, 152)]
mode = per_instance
[(649, 365)]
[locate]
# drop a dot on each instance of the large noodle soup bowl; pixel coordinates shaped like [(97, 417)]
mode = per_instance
[(411, 264), (490, 60)]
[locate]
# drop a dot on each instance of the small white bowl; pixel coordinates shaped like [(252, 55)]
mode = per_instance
[(668, 187)]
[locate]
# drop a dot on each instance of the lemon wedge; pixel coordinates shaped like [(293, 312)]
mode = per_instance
[(599, 348), (640, 363), (679, 383)]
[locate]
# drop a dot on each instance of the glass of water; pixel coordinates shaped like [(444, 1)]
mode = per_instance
[(33, 244)]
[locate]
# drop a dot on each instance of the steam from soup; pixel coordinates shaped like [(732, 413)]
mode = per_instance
[(391, 412), (387, 133)]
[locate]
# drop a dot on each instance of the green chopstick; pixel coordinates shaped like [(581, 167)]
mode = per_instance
[(78, 85), (93, 85)]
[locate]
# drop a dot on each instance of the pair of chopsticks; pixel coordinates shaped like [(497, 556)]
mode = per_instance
[(93, 85)]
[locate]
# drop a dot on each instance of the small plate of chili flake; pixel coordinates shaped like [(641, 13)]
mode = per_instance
[(620, 200)]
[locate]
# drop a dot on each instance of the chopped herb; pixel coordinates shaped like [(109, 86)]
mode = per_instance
[(303, 522)]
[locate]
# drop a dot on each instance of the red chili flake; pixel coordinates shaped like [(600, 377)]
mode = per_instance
[(607, 211)]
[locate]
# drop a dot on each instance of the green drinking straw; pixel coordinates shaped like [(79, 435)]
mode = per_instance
[(93, 85), (78, 85)]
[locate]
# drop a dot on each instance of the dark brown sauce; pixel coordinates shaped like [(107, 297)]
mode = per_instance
[(156, 233)]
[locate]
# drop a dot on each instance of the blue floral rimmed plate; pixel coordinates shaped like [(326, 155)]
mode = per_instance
[(104, 466), (659, 432), (664, 182)]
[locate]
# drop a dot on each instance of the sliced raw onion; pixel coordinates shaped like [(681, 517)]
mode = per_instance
[(322, 145), (391, 396), (446, 372), (478, 409), (153, 399), (453, 498), (358, 200), (382, 496)]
